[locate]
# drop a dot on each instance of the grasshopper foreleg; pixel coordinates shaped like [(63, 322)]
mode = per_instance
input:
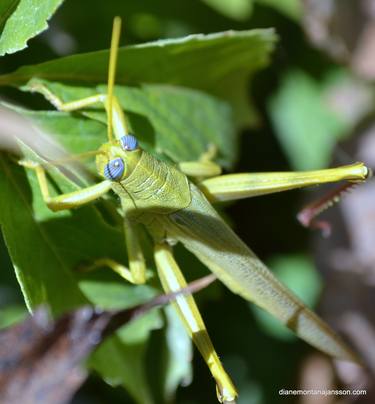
[(71, 199), (118, 118), (39, 87)]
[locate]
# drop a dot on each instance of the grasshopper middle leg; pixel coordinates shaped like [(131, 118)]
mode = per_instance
[(204, 167), (136, 272)]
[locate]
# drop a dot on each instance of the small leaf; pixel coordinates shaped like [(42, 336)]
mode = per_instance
[(178, 369), (237, 9), (121, 363), (28, 20), (306, 126), (12, 314), (291, 8)]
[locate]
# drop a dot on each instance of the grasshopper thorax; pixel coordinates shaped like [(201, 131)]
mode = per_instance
[(116, 160)]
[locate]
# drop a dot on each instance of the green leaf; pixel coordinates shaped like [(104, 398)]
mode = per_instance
[(119, 364), (42, 271), (175, 122), (291, 8), (28, 20), (6, 9), (237, 9), (185, 121), (178, 369), (220, 64), (12, 314), (306, 125), (299, 274), (241, 10)]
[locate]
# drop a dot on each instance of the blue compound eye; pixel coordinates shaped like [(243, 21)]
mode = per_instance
[(114, 169), (129, 142)]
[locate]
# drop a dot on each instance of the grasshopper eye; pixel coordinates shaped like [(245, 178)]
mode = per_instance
[(129, 142), (114, 169)]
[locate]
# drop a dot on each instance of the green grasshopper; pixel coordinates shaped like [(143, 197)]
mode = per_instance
[(174, 208)]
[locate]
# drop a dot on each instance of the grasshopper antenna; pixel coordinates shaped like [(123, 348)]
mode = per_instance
[(116, 31)]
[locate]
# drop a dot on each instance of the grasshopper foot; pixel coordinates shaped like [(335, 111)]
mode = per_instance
[(28, 164)]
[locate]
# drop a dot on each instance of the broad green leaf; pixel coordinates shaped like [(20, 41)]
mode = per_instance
[(172, 121), (236, 9), (306, 125), (300, 275), (28, 20), (220, 64)]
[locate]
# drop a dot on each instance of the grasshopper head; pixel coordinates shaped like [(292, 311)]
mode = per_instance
[(117, 159)]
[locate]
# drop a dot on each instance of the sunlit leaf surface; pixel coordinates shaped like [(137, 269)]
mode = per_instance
[(21, 20)]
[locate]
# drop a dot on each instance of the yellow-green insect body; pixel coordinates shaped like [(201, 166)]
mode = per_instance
[(150, 188)]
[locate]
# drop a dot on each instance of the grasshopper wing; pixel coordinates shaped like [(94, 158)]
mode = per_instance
[(202, 231)]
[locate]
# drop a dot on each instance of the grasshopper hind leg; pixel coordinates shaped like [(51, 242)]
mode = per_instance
[(172, 280), (231, 187)]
